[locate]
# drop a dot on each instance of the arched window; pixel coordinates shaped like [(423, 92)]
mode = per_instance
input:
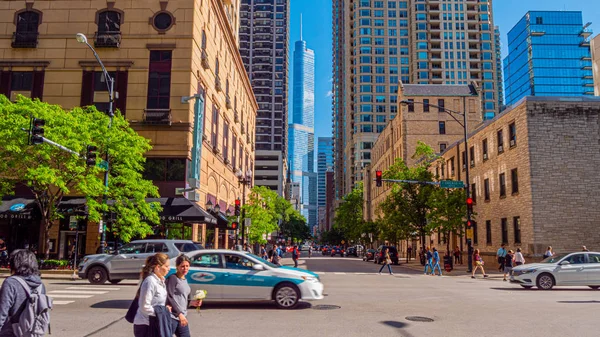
[(26, 35), (109, 29)]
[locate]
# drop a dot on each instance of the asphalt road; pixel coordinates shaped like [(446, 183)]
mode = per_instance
[(359, 302)]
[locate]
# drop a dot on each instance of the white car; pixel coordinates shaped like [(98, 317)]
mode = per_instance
[(574, 269), (237, 275)]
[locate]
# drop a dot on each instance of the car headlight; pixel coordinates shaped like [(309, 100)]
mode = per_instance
[(528, 271), (310, 279)]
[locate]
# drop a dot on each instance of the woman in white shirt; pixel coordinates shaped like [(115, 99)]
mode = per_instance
[(519, 259), (548, 252), (153, 291)]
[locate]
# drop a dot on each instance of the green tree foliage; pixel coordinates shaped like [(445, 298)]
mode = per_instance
[(349, 215), (295, 227), (261, 208), (448, 209), (333, 236), (51, 173)]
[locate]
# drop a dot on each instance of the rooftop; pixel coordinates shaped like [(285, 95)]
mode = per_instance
[(436, 90)]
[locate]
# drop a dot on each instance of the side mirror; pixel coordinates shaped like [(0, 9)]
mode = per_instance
[(564, 263), (258, 266)]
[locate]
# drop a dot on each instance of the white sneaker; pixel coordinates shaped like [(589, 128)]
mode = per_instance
[(391, 273), (379, 273)]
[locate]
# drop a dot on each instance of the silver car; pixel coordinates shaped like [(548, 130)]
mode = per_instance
[(127, 261)]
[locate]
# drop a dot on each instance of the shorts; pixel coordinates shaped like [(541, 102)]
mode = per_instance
[(508, 270)]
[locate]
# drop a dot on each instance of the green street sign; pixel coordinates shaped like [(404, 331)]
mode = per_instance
[(103, 165), (451, 184)]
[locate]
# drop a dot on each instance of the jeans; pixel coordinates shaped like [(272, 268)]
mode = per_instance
[(295, 263), (436, 265), (428, 265), (140, 330), (389, 268), (182, 331)]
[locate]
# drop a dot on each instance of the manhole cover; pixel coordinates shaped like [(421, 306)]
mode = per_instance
[(419, 319), (326, 307)]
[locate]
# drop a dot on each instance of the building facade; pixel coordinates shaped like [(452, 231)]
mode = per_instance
[(531, 185), (377, 44), (548, 55), (499, 75), (324, 165), (158, 53), (421, 120), (264, 39), (595, 45)]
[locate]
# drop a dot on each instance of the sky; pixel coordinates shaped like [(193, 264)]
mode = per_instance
[(316, 15)]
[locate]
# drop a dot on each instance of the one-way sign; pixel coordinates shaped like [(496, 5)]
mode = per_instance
[(451, 184)]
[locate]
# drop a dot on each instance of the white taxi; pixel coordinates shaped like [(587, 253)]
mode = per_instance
[(229, 275)]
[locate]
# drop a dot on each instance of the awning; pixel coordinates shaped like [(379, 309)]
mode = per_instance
[(17, 208), (182, 210), (73, 206), (222, 220)]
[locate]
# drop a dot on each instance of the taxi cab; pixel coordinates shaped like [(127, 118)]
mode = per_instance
[(237, 275)]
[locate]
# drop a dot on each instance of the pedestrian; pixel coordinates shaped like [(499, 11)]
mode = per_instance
[(508, 264), (102, 245), (519, 259), (3, 254), (408, 253), (274, 259), (500, 256), (584, 249), (387, 261), (457, 255), (247, 248), (548, 252), (13, 295), (295, 256), (428, 258), (478, 264), (152, 296), (263, 253), (309, 252), (178, 292), (436, 262)]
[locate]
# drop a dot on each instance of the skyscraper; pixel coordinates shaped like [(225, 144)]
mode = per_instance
[(377, 43), (264, 48), (324, 165), (302, 133), (499, 77), (548, 55)]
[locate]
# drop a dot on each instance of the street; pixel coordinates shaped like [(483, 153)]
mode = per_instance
[(359, 302)]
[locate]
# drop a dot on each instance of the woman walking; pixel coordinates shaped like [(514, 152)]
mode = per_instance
[(178, 291), (508, 264), (519, 259), (152, 293), (549, 252), (478, 263), (387, 261)]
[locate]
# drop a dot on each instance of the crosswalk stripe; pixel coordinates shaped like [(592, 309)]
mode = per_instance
[(320, 273), (69, 296), (340, 273), (61, 302), (74, 292), (92, 288)]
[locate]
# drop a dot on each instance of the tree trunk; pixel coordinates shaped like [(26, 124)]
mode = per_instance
[(47, 225)]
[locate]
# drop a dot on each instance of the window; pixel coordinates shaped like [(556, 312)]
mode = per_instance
[(474, 193), (411, 105), (26, 83), (517, 228), (159, 79), (94, 90), (187, 247), (502, 180), (512, 134), (576, 259), (484, 148), (514, 181), (443, 147), (500, 141), (226, 141), (488, 232), (464, 160), (504, 228), (472, 156), (234, 261), (425, 105), (207, 261), (442, 128), (233, 151), (165, 169), (26, 35), (133, 248), (214, 129), (156, 247), (451, 166), (594, 258), (539, 20), (109, 29), (486, 189), (441, 104)]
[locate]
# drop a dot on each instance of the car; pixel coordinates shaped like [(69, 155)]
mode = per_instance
[(351, 251), (127, 261), (228, 275), (381, 250), (369, 255), (337, 251), (326, 250), (572, 269)]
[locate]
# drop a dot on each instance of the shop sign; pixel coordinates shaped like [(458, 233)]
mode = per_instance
[(15, 216), (17, 208)]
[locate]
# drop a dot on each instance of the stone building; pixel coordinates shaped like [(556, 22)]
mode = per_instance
[(158, 52), (534, 176)]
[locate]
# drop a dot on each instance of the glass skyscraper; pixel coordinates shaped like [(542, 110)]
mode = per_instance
[(324, 165), (302, 133), (548, 55)]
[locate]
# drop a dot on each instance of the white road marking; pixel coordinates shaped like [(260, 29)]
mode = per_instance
[(92, 288), (339, 273), (69, 296), (75, 292), (61, 302), (320, 273)]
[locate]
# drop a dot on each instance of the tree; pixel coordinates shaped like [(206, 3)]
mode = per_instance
[(349, 215), (261, 208), (51, 173), (448, 210), (295, 227)]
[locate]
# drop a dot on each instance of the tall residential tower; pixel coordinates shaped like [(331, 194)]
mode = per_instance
[(324, 165)]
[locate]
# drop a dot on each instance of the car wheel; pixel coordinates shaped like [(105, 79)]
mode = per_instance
[(527, 287), (286, 296), (545, 281), (115, 281), (594, 287), (97, 275)]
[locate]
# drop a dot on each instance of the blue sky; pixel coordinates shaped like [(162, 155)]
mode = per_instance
[(317, 34)]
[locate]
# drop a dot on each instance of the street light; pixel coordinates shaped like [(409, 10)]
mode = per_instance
[(474, 92), (81, 38), (246, 180)]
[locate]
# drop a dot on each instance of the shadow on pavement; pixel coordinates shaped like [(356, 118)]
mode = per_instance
[(535, 289), (94, 285), (579, 302), (398, 325), (263, 305), (112, 304)]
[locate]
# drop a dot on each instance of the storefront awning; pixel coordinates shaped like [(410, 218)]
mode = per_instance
[(73, 206), (182, 210), (17, 208), (222, 220)]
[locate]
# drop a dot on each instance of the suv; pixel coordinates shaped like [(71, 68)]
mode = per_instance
[(381, 250), (127, 261)]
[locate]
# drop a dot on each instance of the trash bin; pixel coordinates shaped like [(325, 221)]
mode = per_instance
[(448, 263)]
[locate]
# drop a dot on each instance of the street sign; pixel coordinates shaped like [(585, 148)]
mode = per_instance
[(100, 226), (103, 165), (247, 222), (343, 241), (470, 233), (451, 184), (72, 222)]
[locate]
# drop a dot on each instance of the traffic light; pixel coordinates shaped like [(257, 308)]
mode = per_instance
[(90, 156), (237, 207), (470, 223), (37, 131), (233, 225), (470, 205), (378, 176)]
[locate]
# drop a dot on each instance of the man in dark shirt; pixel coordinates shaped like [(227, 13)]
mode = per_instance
[(295, 256)]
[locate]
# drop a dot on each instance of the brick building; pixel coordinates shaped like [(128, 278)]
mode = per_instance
[(158, 52)]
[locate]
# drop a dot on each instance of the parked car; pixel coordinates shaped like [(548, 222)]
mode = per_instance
[(127, 261), (326, 250), (351, 251), (574, 269), (240, 276), (337, 251), (379, 255), (369, 255)]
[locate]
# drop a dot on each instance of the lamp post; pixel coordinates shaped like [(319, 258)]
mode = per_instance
[(246, 180), (473, 88), (81, 38)]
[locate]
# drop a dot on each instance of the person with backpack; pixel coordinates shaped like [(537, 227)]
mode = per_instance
[(428, 258), (152, 296), (295, 256), (500, 255), (24, 305), (508, 264)]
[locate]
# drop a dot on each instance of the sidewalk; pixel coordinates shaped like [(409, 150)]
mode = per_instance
[(58, 274), (458, 269)]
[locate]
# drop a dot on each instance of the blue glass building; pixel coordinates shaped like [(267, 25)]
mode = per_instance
[(548, 55), (301, 154)]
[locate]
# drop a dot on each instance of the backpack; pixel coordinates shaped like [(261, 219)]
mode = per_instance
[(34, 319)]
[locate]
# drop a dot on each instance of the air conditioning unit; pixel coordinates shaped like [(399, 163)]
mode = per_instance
[(512, 142), (500, 148), (472, 163), (194, 183), (193, 196), (485, 156)]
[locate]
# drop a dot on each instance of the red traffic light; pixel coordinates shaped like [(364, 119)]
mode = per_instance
[(237, 202), (234, 225), (378, 181), (469, 224), (469, 201)]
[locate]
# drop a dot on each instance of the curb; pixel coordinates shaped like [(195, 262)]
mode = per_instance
[(47, 274)]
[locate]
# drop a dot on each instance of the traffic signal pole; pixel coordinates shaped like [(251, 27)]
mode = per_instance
[(467, 185)]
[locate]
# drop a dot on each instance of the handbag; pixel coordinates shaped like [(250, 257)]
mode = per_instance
[(133, 307)]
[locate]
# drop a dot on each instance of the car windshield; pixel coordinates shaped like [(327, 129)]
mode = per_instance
[(553, 259), (258, 259)]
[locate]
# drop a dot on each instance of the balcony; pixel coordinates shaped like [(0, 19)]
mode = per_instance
[(25, 39), (157, 116), (204, 60), (107, 39), (218, 85)]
